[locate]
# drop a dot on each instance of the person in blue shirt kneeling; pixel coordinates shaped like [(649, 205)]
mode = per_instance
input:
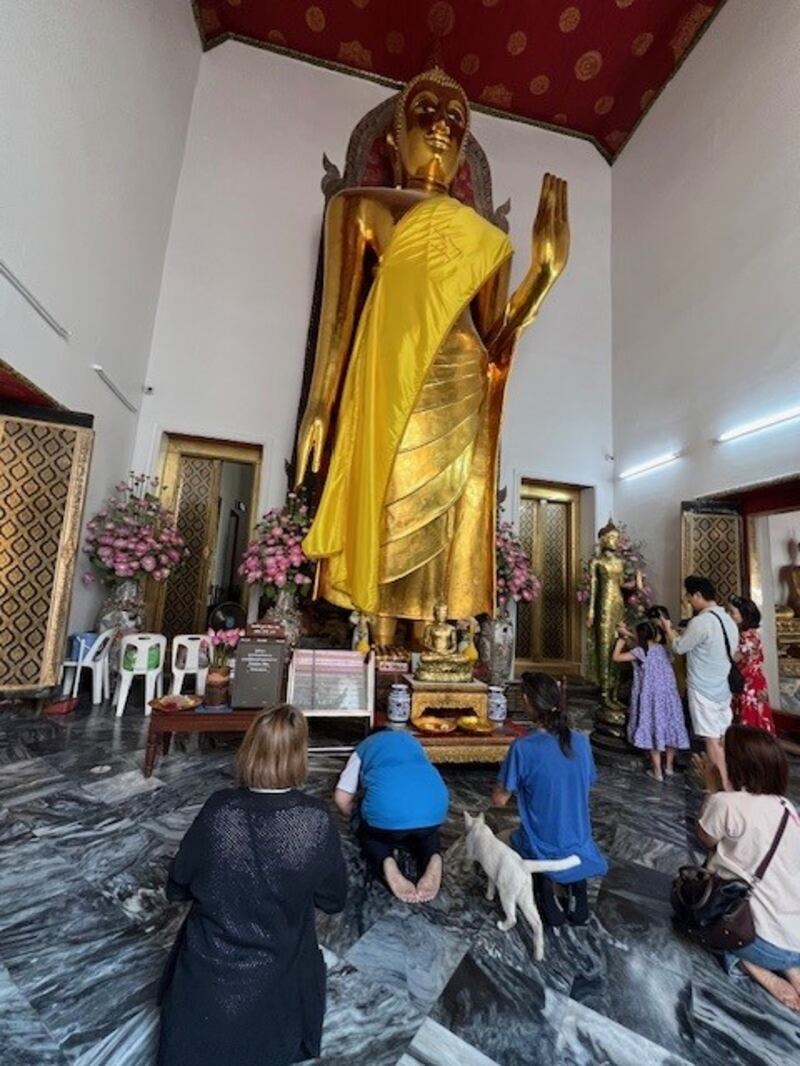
[(551, 772), (403, 802)]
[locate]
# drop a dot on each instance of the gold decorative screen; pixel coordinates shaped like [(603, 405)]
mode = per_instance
[(196, 516), (547, 632), (711, 546), (44, 467)]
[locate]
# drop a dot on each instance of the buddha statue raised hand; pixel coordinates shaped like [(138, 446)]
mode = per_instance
[(417, 371)]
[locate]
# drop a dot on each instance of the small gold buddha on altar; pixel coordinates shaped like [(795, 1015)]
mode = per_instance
[(442, 662)]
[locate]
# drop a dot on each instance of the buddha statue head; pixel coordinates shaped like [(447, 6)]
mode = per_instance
[(609, 536), (431, 120)]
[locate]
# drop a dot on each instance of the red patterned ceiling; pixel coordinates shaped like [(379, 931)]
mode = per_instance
[(592, 67)]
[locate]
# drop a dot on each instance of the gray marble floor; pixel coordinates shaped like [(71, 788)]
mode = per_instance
[(85, 842)]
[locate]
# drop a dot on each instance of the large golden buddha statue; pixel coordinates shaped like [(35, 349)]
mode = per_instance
[(407, 514)]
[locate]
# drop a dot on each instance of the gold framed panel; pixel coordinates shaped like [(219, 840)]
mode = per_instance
[(44, 470), (550, 529), (711, 545), (174, 450)]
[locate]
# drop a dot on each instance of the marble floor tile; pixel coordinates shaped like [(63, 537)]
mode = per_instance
[(736, 1022), (86, 987), (511, 1016), (24, 1041), (406, 950), (436, 1046), (135, 1043), (587, 1038), (121, 787), (365, 1022), (28, 779)]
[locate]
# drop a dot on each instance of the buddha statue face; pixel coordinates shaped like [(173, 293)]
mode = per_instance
[(609, 538), (440, 613), (431, 121)]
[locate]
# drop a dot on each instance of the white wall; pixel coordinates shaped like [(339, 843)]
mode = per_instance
[(705, 262), (96, 99), (231, 326)]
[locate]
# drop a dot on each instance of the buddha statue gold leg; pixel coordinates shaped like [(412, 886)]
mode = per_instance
[(384, 629)]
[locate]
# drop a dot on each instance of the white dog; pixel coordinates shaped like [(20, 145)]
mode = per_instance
[(510, 875)]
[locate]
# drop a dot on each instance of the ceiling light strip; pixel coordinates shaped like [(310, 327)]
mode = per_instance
[(652, 464), (27, 295), (117, 391), (758, 425)]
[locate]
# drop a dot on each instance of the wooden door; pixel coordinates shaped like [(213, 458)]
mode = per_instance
[(190, 488), (548, 633)]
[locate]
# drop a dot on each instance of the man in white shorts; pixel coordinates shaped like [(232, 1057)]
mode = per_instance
[(708, 666)]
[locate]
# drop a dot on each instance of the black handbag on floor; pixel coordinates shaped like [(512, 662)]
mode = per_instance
[(715, 911), (735, 676)]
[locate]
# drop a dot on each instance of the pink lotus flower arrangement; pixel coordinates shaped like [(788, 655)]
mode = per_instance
[(133, 536), (636, 588), (275, 558), (223, 644), (515, 579)]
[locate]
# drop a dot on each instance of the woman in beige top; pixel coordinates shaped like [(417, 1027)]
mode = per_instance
[(739, 827)]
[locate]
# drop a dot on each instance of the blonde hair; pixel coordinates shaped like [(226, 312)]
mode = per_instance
[(274, 752)]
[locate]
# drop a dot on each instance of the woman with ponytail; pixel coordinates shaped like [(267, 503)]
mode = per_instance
[(551, 772)]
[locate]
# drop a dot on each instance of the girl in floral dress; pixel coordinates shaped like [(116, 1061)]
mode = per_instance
[(656, 722), (752, 706)]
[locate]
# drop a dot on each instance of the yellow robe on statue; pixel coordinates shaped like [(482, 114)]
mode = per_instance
[(407, 512)]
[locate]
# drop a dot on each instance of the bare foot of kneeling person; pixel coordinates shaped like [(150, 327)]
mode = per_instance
[(399, 886), (778, 987), (431, 881)]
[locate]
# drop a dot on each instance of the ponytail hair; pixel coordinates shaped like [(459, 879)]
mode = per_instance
[(547, 707)]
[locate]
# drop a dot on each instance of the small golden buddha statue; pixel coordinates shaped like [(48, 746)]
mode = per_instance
[(606, 611), (442, 662)]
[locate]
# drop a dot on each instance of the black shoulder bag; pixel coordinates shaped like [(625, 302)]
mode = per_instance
[(714, 911), (735, 676)]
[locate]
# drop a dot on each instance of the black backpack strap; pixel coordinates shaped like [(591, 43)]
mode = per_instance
[(762, 869), (724, 637)]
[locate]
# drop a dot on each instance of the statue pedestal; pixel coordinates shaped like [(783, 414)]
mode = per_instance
[(468, 697), (611, 729)]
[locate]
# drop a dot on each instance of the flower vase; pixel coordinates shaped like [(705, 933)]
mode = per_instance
[(122, 609), (496, 647), (217, 693), (285, 613)]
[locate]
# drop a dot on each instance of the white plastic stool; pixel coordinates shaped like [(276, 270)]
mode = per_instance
[(143, 644), (193, 646), (94, 658)]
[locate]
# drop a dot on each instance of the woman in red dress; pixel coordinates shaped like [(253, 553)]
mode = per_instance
[(752, 706)]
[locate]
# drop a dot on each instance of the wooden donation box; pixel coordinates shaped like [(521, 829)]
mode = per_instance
[(332, 684), (258, 674)]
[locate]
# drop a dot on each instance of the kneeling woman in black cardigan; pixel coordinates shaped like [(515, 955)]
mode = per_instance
[(245, 983)]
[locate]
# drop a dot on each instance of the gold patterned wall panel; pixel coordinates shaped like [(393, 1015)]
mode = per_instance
[(711, 546), (196, 517), (44, 468), (554, 554)]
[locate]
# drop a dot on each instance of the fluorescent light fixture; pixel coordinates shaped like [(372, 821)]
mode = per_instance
[(652, 464), (114, 388), (761, 423)]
